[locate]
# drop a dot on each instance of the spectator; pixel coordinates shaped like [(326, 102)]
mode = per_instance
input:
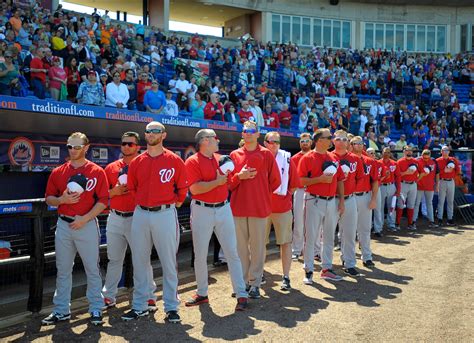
[(245, 114), (384, 126), (197, 107), (73, 78), (354, 100), (57, 42), (214, 110), (183, 88), (285, 117), (401, 144), (85, 69), (270, 118), (256, 111), (117, 93), (354, 123), (91, 92), (143, 86), (231, 116), (57, 79), (171, 108), (38, 74), (132, 89), (154, 99), (9, 74), (303, 118)]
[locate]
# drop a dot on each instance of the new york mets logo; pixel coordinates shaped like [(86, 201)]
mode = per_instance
[(166, 175)]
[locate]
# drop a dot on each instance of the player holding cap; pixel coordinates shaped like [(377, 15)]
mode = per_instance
[(119, 222), (319, 171), (281, 216), (366, 199), (211, 212), (79, 189), (389, 186), (252, 182), (448, 169), (157, 179), (353, 170), (410, 172), (298, 205), (426, 186)]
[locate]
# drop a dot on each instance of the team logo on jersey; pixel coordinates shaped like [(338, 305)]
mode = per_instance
[(367, 169), (21, 152), (392, 169), (91, 183), (166, 175)]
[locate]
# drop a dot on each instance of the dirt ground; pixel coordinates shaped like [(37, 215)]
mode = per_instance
[(421, 290)]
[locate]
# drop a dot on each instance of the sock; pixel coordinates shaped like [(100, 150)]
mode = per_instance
[(399, 215), (410, 215)]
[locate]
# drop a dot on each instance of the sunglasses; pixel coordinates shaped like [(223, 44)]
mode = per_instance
[(357, 143), (153, 131), (326, 137), (75, 147), (211, 137), (341, 139), (273, 142), (249, 131), (305, 140), (8, 56), (129, 144)]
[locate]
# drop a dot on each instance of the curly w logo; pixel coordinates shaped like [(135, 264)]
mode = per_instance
[(166, 175)]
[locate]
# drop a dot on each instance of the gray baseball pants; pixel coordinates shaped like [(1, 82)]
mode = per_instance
[(428, 195), (384, 200), (409, 191), (446, 192), (364, 221), (298, 224), (347, 232)]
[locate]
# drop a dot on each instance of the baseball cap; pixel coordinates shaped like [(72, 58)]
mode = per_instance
[(91, 72), (77, 183), (445, 148)]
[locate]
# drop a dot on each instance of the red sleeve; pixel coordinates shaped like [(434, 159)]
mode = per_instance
[(192, 170), (374, 171), (36, 64), (51, 187), (294, 179), (277, 120), (102, 188), (398, 178), (108, 173), (131, 177), (209, 111), (274, 178), (181, 180), (359, 170), (303, 169), (234, 180)]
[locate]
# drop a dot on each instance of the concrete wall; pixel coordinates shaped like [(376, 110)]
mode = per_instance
[(159, 13), (237, 26)]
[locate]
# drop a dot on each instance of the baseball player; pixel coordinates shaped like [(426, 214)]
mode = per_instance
[(366, 199), (377, 216), (252, 182), (157, 179), (282, 217), (353, 170), (298, 206), (426, 186), (321, 174), (79, 189), (448, 169), (210, 212), (119, 222), (410, 171), (388, 188)]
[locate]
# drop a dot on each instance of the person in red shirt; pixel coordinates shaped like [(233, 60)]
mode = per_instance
[(389, 187), (285, 117), (211, 212), (157, 179), (119, 222), (252, 182), (366, 197), (353, 170), (448, 168), (281, 217), (245, 113), (270, 118), (426, 186), (410, 172), (38, 74), (143, 86), (214, 110), (298, 205), (79, 189), (320, 172)]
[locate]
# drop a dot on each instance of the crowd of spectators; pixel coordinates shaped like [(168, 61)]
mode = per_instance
[(90, 59)]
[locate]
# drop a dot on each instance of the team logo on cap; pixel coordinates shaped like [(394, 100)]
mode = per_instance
[(77, 184), (345, 166), (122, 179), (450, 165), (427, 169), (329, 168), (413, 167), (226, 164)]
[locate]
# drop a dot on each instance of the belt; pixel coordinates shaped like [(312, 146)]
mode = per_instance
[(123, 214), (348, 196), (447, 179), (322, 197), (359, 194), (387, 184), (156, 208), (408, 183), (206, 204), (67, 219)]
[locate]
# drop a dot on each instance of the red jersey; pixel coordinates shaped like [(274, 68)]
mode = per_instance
[(158, 180), (271, 120), (252, 197), (352, 168), (284, 203), (427, 182), (297, 158), (244, 115), (370, 166), (96, 189), (404, 164), (285, 118), (313, 164), (392, 173), (201, 168), (443, 162), (37, 63), (210, 110), (124, 202)]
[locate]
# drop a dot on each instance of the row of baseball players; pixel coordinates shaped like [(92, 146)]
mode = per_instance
[(144, 190)]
